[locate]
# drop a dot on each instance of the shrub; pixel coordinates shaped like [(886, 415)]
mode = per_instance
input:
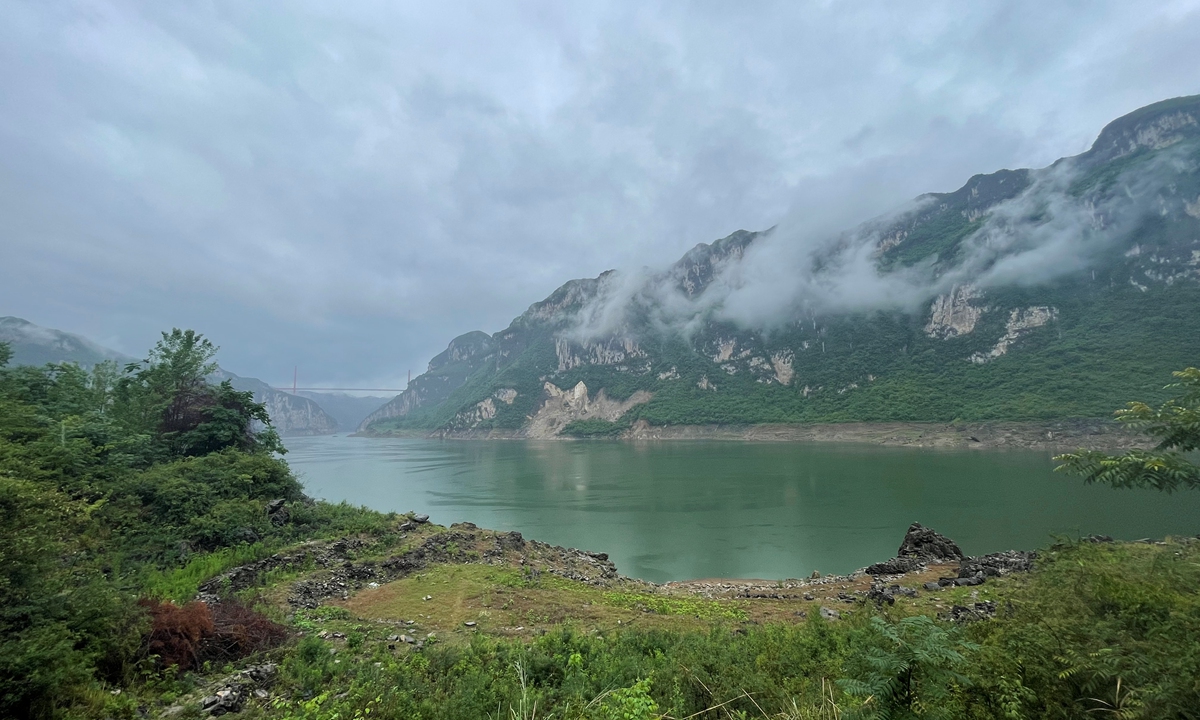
[(187, 636), (176, 632), (239, 631)]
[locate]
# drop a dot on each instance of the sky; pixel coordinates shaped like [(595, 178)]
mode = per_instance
[(344, 187)]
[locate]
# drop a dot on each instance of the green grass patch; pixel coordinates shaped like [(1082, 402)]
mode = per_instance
[(595, 428), (181, 584), (668, 605)]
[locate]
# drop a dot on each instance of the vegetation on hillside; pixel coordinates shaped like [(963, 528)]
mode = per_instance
[(1129, 209), (882, 367), (123, 490), (108, 479)]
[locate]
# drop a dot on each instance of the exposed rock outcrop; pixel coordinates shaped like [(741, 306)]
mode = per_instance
[(610, 351), (954, 313), (925, 543), (1020, 322), (921, 545), (562, 407)]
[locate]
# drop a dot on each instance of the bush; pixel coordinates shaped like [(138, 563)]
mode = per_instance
[(61, 624), (187, 636), (176, 632), (239, 631)]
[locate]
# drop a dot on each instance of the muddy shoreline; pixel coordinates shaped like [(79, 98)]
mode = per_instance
[(1051, 435)]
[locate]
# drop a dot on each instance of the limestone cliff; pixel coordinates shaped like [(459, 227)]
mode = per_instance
[(292, 415), (1117, 271)]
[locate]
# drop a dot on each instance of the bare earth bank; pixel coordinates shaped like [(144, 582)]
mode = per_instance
[(1055, 435)]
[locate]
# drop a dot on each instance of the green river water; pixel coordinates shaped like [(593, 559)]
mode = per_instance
[(705, 509)]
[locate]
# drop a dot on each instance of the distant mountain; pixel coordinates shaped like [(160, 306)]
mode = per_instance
[(348, 410), (1026, 294), (36, 345), (291, 415)]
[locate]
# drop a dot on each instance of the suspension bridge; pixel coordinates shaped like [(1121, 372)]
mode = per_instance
[(295, 388)]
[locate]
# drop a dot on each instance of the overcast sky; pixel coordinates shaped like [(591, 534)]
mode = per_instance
[(345, 186)]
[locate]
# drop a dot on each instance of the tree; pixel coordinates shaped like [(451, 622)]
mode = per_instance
[(169, 395), (1176, 425)]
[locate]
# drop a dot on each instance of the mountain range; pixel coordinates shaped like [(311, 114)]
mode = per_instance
[(291, 414), (1026, 294)]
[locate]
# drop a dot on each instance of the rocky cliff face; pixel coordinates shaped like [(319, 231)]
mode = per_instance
[(1034, 279), (291, 415), (446, 373)]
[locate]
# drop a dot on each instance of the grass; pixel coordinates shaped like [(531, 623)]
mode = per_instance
[(181, 584), (687, 607), (503, 601)]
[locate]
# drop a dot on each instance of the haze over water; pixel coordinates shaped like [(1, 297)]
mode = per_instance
[(685, 510)]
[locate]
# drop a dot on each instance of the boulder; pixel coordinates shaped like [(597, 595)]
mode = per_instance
[(922, 542), (997, 564), (971, 613), (896, 566), (228, 699)]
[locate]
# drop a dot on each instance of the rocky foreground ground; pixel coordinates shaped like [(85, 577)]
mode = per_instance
[(424, 584)]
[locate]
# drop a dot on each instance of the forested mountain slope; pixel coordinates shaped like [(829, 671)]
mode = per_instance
[(1025, 294)]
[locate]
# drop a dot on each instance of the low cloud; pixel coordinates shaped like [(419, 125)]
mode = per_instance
[(345, 187), (802, 269)]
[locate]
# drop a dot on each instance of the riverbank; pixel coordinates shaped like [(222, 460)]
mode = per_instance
[(459, 621), (1053, 435)]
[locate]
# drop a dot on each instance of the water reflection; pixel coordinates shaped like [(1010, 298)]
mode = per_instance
[(721, 509)]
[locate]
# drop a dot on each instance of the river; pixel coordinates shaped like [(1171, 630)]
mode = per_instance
[(679, 510)]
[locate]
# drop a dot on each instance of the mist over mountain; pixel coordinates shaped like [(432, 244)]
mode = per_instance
[(36, 345), (1024, 294)]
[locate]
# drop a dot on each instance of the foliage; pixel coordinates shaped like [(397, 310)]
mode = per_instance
[(116, 483), (908, 669), (176, 632), (1099, 629), (169, 395), (631, 703), (60, 622), (594, 428), (1176, 426), (181, 583), (238, 630), (667, 605)]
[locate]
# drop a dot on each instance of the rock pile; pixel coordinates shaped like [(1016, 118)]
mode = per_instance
[(234, 691), (920, 546)]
